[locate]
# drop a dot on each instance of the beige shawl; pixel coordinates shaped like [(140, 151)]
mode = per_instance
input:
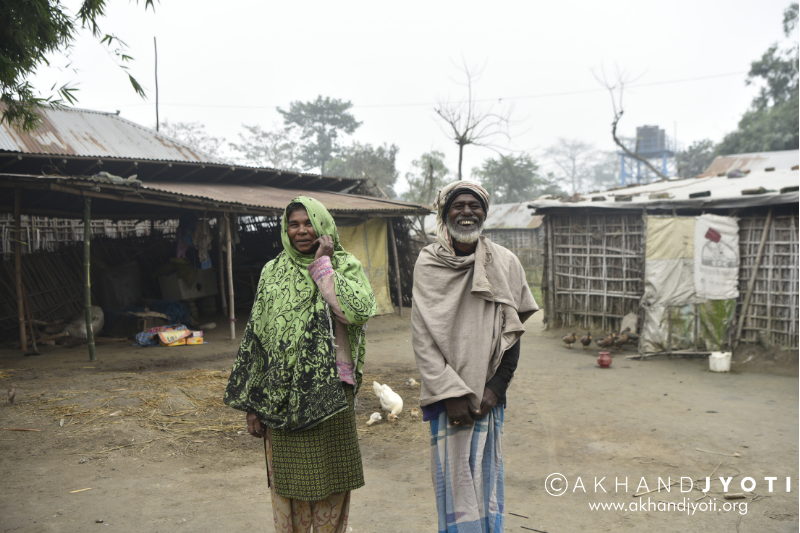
[(467, 312)]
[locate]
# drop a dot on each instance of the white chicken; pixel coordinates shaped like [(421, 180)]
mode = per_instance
[(375, 417), (411, 382), (390, 400)]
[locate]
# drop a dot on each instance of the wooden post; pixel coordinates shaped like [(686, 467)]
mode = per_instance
[(752, 282), (396, 264), (231, 308), (551, 273), (87, 270), (221, 263), (30, 322), (23, 338)]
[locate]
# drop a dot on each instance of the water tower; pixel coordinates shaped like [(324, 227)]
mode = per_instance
[(651, 143)]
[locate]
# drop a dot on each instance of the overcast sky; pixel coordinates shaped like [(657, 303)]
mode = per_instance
[(230, 63)]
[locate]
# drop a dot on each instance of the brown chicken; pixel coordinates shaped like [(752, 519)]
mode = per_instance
[(569, 339), (586, 340)]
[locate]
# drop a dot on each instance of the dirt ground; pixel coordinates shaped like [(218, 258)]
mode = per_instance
[(146, 431)]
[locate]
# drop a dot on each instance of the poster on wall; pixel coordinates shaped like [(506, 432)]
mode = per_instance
[(716, 257)]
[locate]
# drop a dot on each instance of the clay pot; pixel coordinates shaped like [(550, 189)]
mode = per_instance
[(604, 360)]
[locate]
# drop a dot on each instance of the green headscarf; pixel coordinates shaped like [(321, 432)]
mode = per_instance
[(285, 370)]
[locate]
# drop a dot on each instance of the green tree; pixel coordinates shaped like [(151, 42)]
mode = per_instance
[(30, 30), (194, 134), (319, 123), (511, 179), (364, 160), (695, 159), (771, 123), (275, 149), (429, 174)]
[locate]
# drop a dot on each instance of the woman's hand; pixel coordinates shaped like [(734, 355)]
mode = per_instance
[(255, 427), (325, 246)]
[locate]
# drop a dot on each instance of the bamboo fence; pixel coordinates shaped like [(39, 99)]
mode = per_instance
[(596, 268), (527, 245), (772, 316), (50, 234), (54, 280)]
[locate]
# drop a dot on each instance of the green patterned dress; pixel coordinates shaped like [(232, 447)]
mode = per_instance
[(286, 373)]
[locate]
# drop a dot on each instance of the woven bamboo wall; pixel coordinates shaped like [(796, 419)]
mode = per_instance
[(598, 268), (49, 234), (773, 311), (525, 243)]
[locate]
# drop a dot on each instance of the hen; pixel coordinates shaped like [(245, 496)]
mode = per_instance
[(390, 400)]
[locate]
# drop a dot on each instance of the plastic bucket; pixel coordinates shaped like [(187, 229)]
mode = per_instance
[(719, 362)]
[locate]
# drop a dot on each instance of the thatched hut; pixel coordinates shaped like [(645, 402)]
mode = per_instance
[(599, 248)]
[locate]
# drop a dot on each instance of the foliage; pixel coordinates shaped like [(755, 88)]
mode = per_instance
[(364, 160), (511, 179), (695, 159), (319, 123), (275, 149), (429, 174), (771, 123), (194, 135), (31, 30)]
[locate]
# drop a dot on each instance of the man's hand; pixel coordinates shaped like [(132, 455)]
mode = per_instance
[(459, 411), (487, 404), (324, 246), (255, 427)]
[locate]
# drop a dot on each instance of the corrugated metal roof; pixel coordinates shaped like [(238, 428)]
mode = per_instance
[(698, 193), (755, 161), (512, 216), (88, 133), (501, 216), (275, 198)]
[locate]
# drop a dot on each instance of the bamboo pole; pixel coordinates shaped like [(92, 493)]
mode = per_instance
[(221, 263), (396, 265), (551, 273), (231, 308), (753, 276), (87, 269), (23, 338), (30, 323)]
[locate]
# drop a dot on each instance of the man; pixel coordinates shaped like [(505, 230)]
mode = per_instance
[(470, 300)]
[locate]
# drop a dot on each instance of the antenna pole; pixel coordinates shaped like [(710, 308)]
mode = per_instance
[(155, 49)]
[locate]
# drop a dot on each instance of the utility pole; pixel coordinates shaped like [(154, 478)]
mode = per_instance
[(155, 49)]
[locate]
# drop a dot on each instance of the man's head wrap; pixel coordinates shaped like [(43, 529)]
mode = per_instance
[(445, 197)]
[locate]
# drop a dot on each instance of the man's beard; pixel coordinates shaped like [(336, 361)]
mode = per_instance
[(458, 234)]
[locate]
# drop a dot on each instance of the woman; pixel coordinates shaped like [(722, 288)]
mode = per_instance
[(299, 368)]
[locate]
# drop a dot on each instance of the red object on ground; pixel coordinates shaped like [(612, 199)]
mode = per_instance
[(713, 235), (604, 360)]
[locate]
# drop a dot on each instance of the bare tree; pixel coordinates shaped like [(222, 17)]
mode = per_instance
[(468, 123), (574, 158), (616, 90)]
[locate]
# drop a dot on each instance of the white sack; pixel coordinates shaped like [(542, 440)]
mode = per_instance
[(77, 328), (716, 254)]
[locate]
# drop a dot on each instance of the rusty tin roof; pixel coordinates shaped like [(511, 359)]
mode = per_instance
[(82, 132)]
